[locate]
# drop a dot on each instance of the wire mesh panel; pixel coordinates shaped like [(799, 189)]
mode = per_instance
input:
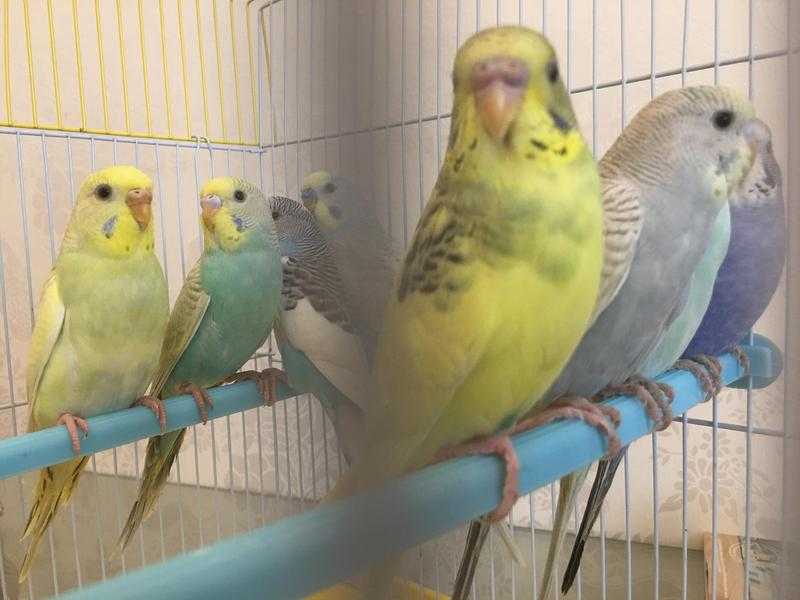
[(273, 90)]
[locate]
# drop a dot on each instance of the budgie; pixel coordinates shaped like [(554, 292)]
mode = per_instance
[(367, 258), (223, 314), (321, 351), (742, 274), (752, 268), (665, 185), (512, 231), (99, 323)]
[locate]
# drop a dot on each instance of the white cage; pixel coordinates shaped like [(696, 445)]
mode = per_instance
[(275, 89)]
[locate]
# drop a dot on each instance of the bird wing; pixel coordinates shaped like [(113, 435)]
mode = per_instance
[(316, 322), (50, 315), (185, 318), (622, 221)]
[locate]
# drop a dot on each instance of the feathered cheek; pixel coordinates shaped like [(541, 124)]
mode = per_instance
[(109, 227), (229, 232)]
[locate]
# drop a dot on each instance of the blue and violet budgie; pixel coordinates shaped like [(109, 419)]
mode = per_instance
[(744, 285), (665, 184), (99, 323), (223, 314), (322, 352)]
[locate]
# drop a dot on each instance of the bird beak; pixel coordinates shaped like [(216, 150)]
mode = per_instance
[(499, 85), (757, 135), (139, 202), (309, 199), (210, 205)]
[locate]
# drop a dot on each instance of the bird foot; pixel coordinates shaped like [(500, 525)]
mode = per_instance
[(155, 405), (742, 358), (656, 397), (707, 370), (266, 381), (600, 416), (201, 398), (73, 423), (501, 446)]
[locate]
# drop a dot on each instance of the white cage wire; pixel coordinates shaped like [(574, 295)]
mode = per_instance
[(274, 90)]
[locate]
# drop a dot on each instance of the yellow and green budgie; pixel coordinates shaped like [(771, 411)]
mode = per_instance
[(99, 324), (223, 314), (503, 272)]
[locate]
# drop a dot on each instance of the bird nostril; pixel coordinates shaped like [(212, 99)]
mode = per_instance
[(509, 71)]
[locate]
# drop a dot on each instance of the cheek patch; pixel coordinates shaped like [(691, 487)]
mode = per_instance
[(109, 226), (239, 224)]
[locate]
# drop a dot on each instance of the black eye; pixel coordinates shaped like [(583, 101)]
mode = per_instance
[(239, 196), (103, 191), (722, 119), (275, 215), (329, 188), (335, 211), (552, 72)]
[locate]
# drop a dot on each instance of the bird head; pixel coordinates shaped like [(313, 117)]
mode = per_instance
[(698, 139), (330, 199), (235, 214), (509, 97), (113, 213)]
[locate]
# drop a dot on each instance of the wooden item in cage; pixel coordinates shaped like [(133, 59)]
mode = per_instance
[(764, 565)]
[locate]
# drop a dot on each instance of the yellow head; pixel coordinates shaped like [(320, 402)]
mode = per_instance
[(510, 103), (112, 214), (235, 214), (334, 201)]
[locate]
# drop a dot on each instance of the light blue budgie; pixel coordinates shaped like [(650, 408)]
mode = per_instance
[(665, 183), (321, 351)]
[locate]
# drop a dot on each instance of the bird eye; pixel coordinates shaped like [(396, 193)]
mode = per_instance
[(103, 191), (239, 196), (330, 187), (275, 215), (722, 119), (335, 211), (552, 71)]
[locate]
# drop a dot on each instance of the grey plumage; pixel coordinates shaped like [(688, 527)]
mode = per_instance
[(366, 256)]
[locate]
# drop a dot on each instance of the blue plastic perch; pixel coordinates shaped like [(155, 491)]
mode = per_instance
[(294, 557)]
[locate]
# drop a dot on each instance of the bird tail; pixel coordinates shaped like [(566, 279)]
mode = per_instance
[(54, 489), (606, 469), (568, 489), (161, 453), (476, 538)]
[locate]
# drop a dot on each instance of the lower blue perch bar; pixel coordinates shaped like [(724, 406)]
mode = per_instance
[(296, 556)]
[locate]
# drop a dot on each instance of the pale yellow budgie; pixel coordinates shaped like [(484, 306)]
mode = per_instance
[(99, 325)]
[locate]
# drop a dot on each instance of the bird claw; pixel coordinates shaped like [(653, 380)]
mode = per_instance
[(73, 423), (741, 358), (266, 381), (603, 418), (201, 398), (501, 446), (155, 405), (655, 396), (706, 370)]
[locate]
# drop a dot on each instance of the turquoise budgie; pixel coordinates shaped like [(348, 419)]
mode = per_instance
[(367, 258), (321, 351), (223, 314), (665, 183), (99, 323)]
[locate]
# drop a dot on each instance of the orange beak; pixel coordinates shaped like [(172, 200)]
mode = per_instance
[(210, 205), (499, 86), (139, 202)]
